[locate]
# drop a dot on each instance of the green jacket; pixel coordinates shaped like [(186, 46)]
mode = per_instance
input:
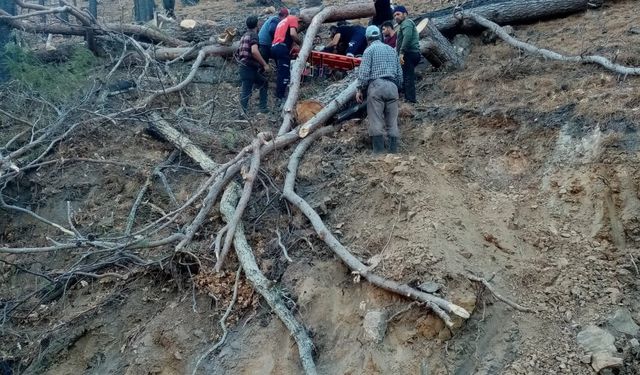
[(408, 38)]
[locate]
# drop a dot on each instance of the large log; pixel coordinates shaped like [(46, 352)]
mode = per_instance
[(437, 49), (307, 108), (506, 11), (190, 53), (346, 12)]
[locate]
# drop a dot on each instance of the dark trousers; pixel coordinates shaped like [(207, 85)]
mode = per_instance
[(249, 77), (265, 52), (411, 59), (280, 52)]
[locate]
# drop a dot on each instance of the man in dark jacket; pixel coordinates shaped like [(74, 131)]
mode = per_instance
[(252, 67), (353, 36), (409, 51)]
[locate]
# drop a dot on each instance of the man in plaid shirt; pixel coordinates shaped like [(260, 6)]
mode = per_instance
[(252, 67), (380, 74)]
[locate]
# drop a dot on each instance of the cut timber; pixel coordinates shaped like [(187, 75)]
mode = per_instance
[(507, 11), (437, 49), (329, 109), (189, 53), (306, 109), (345, 12), (188, 24)]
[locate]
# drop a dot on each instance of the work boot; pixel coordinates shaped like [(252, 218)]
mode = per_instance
[(393, 145), (377, 142)]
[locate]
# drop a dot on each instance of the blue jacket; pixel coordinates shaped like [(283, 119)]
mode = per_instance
[(265, 36)]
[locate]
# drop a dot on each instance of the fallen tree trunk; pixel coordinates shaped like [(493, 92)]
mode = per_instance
[(263, 286), (300, 64), (329, 110), (307, 108), (592, 59), (345, 12), (190, 53), (437, 49), (67, 29), (506, 11)]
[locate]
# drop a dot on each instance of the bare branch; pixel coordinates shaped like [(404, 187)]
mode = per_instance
[(593, 59)]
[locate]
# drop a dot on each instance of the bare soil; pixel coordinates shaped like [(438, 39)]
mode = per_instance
[(515, 168)]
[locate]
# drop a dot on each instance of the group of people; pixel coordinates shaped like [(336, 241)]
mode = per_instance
[(389, 58)]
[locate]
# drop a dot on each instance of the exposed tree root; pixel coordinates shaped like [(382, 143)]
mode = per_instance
[(487, 285), (263, 286), (223, 324), (438, 305), (592, 59)]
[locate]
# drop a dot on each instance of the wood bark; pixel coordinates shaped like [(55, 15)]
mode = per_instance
[(309, 107), (507, 11), (264, 286), (438, 50), (188, 53), (346, 12), (117, 28), (299, 65)]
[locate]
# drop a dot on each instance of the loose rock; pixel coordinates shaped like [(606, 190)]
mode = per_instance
[(430, 287), (375, 325), (621, 322), (601, 361), (596, 340)]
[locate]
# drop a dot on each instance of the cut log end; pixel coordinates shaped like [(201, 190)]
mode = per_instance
[(306, 109), (188, 24)]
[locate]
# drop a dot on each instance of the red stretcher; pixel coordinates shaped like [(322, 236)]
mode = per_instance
[(333, 61)]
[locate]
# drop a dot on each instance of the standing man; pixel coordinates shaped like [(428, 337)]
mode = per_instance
[(389, 34), (351, 35), (265, 36), (285, 35), (380, 75), (409, 51), (252, 67)]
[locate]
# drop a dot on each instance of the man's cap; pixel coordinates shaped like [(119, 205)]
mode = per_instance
[(252, 22), (283, 12), (372, 32), (400, 8)]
